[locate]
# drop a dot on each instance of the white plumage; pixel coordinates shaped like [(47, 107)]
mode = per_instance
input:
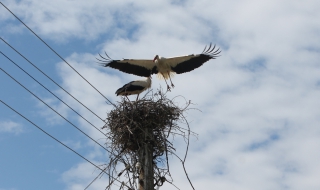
[(138, 167), (164, 67), (134, 87)]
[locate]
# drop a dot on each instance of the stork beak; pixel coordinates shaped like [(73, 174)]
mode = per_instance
[(155, 58)]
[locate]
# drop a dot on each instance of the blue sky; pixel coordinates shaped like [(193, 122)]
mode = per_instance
[(259, 125)]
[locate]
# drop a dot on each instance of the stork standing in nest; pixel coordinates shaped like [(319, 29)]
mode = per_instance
[(164, 67), (134, 87)]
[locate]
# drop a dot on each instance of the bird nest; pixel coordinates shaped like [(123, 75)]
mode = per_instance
[(129, 121), (148, 122)]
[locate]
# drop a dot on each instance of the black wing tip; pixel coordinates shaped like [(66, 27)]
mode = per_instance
[(211, 51), (104, 61)]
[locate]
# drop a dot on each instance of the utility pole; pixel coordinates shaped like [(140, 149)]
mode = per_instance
[(146, 160), (141, 130)]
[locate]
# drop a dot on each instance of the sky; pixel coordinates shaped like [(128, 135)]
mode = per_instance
[(259, 121)]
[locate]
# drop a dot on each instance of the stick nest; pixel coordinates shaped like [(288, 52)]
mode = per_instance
[(128, 122), (150, 122)]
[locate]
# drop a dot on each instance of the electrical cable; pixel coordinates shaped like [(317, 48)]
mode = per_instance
[(52, 93), (103, 170), (50, 79), (57, 53), (114, 179), (54, 110)]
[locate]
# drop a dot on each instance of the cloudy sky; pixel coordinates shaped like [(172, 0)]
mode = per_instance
[(259, 125)]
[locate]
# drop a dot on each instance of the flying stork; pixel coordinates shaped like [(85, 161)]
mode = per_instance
[(164, 67), (134, 87)]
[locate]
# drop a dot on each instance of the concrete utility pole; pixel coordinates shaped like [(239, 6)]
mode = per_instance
[(146, 160)]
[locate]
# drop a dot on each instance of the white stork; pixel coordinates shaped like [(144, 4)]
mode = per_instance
[(164, 67), (134, 87)]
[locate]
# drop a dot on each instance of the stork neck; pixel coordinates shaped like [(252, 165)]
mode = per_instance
[(156, 62)]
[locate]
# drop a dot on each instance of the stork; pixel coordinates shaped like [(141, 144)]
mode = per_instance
[(164, 67), (134, 87)]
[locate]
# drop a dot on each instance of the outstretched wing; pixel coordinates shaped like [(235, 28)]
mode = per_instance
[(188, 63), (143, 68)]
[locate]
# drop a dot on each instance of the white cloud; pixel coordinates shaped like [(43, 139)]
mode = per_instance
[(82, 175), (258, 128), (50, 114), (259, 99), (10, 127), (61, 20)]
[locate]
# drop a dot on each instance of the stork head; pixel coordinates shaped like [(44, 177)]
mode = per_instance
[(156, 58)]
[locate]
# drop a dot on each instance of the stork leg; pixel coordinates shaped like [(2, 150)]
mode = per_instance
[(170, 80), (127, 98), (168, 87), (137, 97)]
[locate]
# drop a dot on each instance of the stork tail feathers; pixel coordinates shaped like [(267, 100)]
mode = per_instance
[(165, 75)]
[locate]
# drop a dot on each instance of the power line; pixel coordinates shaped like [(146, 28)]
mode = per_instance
[(54, 110), (102, 170), (112, 160), (52, 93), (114, 179), (57, 54), (50, 79)]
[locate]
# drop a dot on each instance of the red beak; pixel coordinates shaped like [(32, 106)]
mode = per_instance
[(155, 58)]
